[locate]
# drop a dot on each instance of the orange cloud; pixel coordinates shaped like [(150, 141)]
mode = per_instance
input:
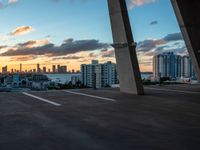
[(34, 43), (22, 30), (23, 58)]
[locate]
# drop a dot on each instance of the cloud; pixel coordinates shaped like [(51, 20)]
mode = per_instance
[(21, 30), (4, 38), (159, 44), (153, 23), (68, 46), (92, 55), (16, 32), (3, 46), (71, 57), (136, 3), (7, 3), (169, 43), (173, 37), (146, 62), (182, 50), (147, 45), (108, 54), (12, 1), (33, 43), (23, 58)]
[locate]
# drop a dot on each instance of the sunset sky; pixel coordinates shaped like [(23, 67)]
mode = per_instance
[(73, 32)]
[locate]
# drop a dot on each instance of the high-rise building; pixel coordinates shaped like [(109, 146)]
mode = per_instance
[(5, 69), (88, 74), (58, 68), (166, 65), (54, 68), (20, 68), (178, 66), (187, 70), (99, 75), (63, 69), (44, 69), (38, 68), (172, 66)]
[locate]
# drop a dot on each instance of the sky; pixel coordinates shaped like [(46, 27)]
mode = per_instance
[(74, 32)]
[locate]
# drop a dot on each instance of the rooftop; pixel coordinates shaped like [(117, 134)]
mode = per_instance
[(166, 118)]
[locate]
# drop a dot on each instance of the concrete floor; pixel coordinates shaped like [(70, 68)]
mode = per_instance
[(166, 118)]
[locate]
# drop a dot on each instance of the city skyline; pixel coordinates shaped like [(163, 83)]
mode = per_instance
[(38, 68), (47, 36)]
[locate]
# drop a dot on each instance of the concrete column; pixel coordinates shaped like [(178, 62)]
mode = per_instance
[(187, 12), (125, 48)]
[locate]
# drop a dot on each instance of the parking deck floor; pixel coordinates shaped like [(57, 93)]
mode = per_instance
[(165, 118)]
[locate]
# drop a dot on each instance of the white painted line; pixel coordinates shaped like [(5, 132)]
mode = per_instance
[(92, 96), (170, 90), (41, 99)]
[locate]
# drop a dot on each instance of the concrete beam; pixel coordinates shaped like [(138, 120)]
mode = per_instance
[(187, 12), (125, 48)]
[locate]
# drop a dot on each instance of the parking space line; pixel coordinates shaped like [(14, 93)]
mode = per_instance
[(170, 90), (41, 99), (92, 96)]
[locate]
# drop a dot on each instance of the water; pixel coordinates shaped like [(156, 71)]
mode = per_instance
[(146, 75), (61, 78)]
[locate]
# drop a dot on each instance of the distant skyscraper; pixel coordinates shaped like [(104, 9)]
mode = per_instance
[(38, 68), (172, 66), (61, 69), (54, 68), (44, 70), (58, 68), (5, 69), (12, 70), (20, 68), (99, 75)]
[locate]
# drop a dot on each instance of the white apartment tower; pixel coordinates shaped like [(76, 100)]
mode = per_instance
[(99, 75)]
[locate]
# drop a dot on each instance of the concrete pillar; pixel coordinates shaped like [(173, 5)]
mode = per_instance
[(187, 12), (125, 48)]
